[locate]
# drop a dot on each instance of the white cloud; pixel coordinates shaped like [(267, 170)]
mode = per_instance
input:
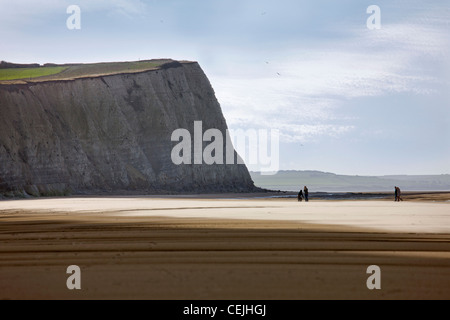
[(305, 89), (307, 133)]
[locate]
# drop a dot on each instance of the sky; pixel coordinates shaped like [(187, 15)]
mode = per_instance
[(344, 98)]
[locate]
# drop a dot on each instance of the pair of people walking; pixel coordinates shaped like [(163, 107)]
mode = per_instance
[(302, 194), (397, 194)]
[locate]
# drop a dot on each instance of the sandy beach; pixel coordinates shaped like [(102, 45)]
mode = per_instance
[(196, 247)]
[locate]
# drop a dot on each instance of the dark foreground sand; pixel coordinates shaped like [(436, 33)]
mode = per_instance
[(152, 248)]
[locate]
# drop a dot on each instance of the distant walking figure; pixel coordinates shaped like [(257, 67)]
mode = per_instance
[(396, 194), (300, 195), (305, 191)]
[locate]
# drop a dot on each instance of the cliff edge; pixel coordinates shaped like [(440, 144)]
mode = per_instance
[(110, 133)]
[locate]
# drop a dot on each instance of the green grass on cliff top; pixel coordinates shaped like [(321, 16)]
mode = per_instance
[(73, 71), (28, 73)]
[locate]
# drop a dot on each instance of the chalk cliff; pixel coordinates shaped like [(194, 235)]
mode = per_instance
[(110, 133)]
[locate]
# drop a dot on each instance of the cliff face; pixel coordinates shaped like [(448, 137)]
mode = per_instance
[(110, 133)]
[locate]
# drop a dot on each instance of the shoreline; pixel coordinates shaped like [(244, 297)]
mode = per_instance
[(406, 216), (269, 194)]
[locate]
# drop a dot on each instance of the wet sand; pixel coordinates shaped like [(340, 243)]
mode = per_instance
[(204, 248)]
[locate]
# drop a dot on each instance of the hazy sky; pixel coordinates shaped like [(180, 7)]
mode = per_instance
[(345, 98)]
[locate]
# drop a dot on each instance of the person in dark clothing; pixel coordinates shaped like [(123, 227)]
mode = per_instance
[(300, 195), (399, 196), (396, 194), (305, 191)]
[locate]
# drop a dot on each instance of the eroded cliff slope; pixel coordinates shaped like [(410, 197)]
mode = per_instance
[(110, 134)]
